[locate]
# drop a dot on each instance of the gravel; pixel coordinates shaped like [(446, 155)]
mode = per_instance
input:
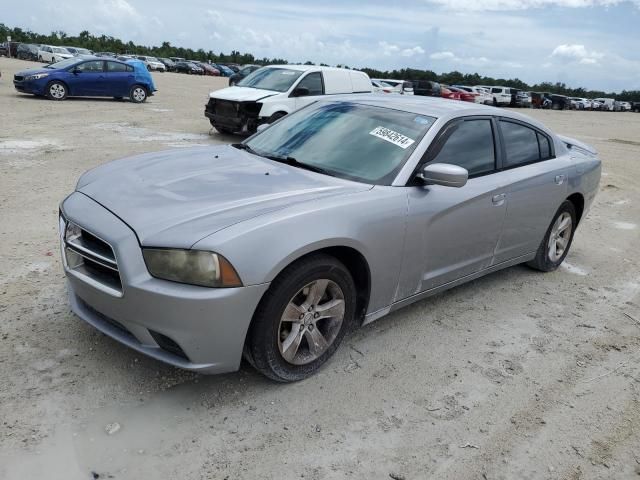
[(516, 375)]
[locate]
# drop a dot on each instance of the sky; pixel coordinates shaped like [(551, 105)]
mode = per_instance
[(585, 43)]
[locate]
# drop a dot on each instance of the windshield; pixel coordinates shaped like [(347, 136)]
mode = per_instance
[(277, 79), (69, 62), (152, 59), (60, 50), (349, 140)]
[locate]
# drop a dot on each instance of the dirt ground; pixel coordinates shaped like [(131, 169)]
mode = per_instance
[(518, 375)]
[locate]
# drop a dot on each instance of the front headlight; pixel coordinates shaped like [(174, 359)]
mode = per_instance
[(37, 76), (194, 267)]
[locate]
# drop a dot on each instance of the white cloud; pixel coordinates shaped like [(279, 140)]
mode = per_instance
[(577, 53), (410, 52), (388, 49), (506, 5), (442, 56)]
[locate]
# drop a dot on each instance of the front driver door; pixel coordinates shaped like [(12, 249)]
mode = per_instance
[(453, 232), (312, 82), (87, 79)]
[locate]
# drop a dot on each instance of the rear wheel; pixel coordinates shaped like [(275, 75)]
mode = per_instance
[(138, 94), (56, 91), (302, 319), (556, 243)]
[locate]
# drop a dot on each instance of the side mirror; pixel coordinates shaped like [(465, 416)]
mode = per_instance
[(76, 71), (261, 127), (301, 92), (444, 174)]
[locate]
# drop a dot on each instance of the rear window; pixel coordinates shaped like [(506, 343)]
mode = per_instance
[(523, 145)]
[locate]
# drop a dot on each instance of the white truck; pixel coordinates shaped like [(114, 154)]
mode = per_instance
[(271, 92)]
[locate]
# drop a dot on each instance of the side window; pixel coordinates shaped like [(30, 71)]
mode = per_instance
[(313, 82), (95, 66), (116, 67), (496, 90), (129, 68), (520, 143), (545, 148), (470, 146)]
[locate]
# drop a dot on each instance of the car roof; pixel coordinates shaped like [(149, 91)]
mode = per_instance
[(433, 106), (306, 68)]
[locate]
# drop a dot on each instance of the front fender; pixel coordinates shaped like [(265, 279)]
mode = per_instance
[(269, 109), (373, 222)]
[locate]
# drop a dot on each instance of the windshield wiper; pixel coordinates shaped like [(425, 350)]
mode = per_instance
[(295, 163), (281, 159), (244, 146)]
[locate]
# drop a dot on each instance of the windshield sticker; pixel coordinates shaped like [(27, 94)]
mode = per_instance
[(422, 120), (287, 72), (392, 137)]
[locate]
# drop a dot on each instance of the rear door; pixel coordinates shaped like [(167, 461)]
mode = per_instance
[(314, 82), (453, 232), (118, 78), (537, 186)]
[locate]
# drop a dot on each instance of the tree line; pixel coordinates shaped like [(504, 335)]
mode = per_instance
[(105, 43)]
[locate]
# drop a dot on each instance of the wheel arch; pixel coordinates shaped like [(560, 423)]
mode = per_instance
[(353, 260), (578, 203)]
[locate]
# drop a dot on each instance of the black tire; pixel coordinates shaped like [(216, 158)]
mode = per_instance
[(138, 94), (261, 349), (56, 91), (495, 102), (542, 261)]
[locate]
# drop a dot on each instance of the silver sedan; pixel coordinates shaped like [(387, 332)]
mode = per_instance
[(330, 218)]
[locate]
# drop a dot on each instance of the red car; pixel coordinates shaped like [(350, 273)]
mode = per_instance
[(464, 95), (208, 69), (447, 92)]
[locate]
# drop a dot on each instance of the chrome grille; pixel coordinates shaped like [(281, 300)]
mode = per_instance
[(89, 258)]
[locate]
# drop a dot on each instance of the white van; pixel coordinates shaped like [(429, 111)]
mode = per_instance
[(271, 92)]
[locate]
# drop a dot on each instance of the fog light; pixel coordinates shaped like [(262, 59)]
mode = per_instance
[(73, 259)]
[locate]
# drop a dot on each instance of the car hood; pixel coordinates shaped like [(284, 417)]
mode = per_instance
[(34, 71), (177, 197), (242, 94)]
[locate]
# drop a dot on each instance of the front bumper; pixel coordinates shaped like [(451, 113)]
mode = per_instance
[(195, 328), (242, 117), (29, 86)]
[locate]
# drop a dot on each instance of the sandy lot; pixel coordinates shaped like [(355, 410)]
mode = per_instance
[(519, 375)]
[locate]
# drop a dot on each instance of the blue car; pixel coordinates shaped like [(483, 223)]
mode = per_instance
[(88, 77), (223, 69)]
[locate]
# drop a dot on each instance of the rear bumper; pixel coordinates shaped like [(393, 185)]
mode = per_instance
[(194, 328)]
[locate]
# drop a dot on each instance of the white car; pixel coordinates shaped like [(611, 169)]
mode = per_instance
[(152, 63), (581, 103), (625, 106), (402, 87), (607, 104), (382, 87), (501, 96), (50, 54), (272, 92), (483, 96)]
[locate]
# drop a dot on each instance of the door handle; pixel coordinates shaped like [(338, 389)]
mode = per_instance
[(498, 200), (559, 179)]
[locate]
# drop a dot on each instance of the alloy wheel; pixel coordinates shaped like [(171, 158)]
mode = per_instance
[(560, 236), (311, 322), (139, 94), (57, 91)]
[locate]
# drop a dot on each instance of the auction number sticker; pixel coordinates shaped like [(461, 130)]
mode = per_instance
[(390, 136)]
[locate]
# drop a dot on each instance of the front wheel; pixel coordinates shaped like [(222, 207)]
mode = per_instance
[(302, 319), (556, 243), (138, 94), (56, 91)]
